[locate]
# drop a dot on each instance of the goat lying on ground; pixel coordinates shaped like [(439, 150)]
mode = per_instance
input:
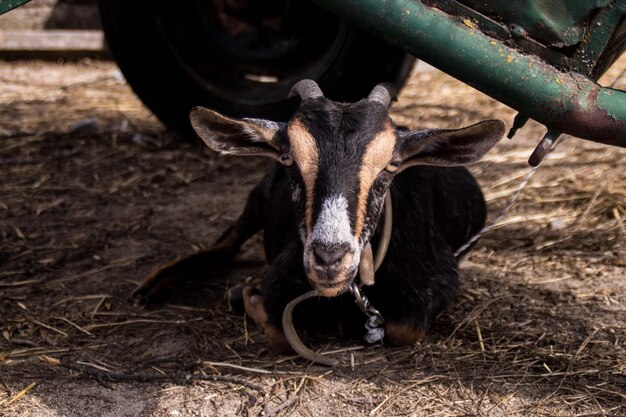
[(321, 205)]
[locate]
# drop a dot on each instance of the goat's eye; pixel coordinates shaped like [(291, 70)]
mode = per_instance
[(286, 159), (392, 167)]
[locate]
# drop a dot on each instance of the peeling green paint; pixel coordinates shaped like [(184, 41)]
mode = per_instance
[(555, 23), (574, 104)]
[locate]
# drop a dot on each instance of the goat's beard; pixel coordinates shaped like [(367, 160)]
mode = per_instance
[(332, 289)]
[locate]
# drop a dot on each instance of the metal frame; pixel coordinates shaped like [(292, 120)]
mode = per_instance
[(504, 51), (462, 46)]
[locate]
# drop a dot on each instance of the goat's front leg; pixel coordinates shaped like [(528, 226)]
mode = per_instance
[(410, 303), (221, 254), (254, 304), (284, 281)]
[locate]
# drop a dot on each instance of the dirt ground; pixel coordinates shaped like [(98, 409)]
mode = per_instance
[(94, 193)]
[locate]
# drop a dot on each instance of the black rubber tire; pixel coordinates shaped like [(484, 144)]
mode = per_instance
[(139, 34)]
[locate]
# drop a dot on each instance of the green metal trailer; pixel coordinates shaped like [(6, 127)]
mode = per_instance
[(541, 57)]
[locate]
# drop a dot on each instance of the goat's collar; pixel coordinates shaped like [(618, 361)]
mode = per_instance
[(367, 269), (383, 243), (369, 263)]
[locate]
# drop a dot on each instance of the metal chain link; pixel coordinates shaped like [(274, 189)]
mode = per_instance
[(375, 321)]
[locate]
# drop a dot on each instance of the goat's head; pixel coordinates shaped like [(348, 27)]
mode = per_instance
[(341, 159)]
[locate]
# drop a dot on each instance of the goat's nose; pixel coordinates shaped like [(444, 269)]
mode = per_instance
[(326, 256)]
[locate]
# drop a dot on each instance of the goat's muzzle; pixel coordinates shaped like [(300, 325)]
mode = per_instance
[(330, 268)]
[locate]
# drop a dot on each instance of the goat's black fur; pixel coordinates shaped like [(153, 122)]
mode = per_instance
[(435, 211), (354, 150)]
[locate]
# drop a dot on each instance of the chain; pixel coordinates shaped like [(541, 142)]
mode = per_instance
[(375, 321), (374, 325)]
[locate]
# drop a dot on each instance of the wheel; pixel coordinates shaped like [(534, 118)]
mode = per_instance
[(241, 57)]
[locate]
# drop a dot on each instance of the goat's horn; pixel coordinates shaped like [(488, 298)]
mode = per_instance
[(306, 89), (383, 93)]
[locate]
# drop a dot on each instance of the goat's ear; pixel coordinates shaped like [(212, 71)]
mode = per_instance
[(449, 147), (232, 136)]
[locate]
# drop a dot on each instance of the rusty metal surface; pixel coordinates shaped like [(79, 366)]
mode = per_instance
[(567, 102), (553, 23)]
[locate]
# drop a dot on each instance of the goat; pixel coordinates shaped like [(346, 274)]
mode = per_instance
[(321, 205)]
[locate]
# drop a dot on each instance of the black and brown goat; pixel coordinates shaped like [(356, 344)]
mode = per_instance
[(322, 203)]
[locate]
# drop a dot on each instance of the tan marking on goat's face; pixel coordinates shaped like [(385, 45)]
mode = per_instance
[(304, 150), (377, 156)]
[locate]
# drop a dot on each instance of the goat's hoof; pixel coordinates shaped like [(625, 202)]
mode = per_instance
[(235, 294), (235, 299), (152, 286), (403, 334), (253, 303)]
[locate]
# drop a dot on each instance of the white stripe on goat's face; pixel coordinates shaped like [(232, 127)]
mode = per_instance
[(305, 154), (333, 223), (340, 153), (332, 252)]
